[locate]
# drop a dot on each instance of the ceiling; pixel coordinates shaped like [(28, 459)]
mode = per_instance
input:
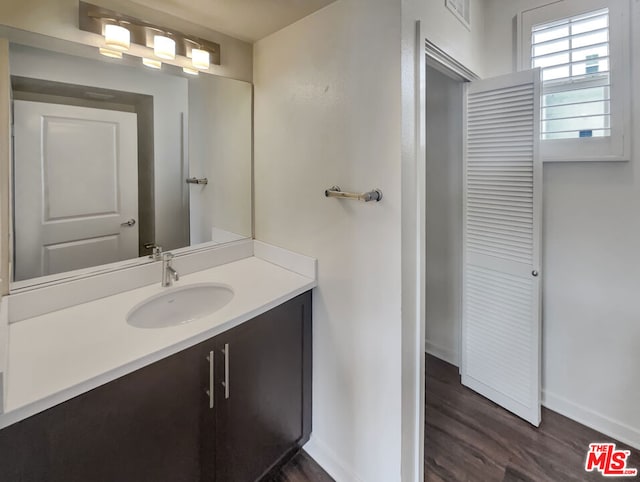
[(248, 20)]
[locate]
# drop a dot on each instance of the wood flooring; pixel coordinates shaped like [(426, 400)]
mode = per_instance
[(470, 439), (301, 468)]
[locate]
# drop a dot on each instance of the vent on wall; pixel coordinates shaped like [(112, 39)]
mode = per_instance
[(461, 9)]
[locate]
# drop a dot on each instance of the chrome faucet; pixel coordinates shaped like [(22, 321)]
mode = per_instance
[(169, 275), (157, 251)]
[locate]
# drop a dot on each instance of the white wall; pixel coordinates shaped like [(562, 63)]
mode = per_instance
[(59, 19), (591, 318), (448, 33), (5, 154), (327, 111), (5, 159), (4, 348), (220, 135), (444, 216), (170, 100)]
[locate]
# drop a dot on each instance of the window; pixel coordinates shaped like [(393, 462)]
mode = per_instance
[(580, 47), (573, 54)]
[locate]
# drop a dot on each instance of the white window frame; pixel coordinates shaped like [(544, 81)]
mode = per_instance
[(617, 147)]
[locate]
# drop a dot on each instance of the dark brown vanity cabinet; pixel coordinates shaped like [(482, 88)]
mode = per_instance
[(262, 398), (163, 423)]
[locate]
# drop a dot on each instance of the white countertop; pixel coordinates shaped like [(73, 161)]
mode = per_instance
[(59, 355)]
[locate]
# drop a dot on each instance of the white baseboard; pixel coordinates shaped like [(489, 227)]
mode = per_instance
[(586, 416), (329, 461), (438, 351)]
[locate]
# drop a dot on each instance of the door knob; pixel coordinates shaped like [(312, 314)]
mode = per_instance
[(534, 273), (129, 223)]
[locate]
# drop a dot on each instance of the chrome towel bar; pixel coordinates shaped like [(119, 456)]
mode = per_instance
[(195, 180), (373, 195)]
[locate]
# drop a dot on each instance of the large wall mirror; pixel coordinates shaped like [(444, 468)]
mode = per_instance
[(107, 156)]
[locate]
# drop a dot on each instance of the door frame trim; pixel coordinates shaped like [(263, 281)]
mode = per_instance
[(446, 64), (5, 170)]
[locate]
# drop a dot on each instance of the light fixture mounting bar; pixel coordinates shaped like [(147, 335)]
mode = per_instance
[(92, 18)]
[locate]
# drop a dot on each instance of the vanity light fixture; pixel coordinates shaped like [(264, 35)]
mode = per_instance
[(189, 71), (164, 47), (200, 59), (120, 33), (152, 63), (114, 54), (117, 37)]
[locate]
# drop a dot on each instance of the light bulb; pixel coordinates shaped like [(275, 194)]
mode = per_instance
[(116, 37), (200, 59), (152, 63), (114, 54), (164, 47)]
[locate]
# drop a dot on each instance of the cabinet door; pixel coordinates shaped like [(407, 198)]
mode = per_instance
[(141, 427), (263, 391)]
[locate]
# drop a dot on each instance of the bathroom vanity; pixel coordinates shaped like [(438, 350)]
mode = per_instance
[(107, 373), (225, 397)]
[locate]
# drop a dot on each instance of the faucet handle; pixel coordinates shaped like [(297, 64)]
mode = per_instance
[(168, 256), (157, 250)]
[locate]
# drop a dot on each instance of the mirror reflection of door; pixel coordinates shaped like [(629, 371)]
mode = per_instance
[(186, 126), (75, 187)]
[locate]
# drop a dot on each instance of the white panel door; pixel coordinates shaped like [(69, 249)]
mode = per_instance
[(75, 188), (502, 240)]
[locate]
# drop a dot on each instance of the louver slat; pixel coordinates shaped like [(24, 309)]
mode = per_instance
[(501, 329), (502, 362), (504, 177)]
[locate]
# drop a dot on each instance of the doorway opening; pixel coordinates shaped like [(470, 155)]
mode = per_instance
[(482, 290), (444, 197), (483, 233)]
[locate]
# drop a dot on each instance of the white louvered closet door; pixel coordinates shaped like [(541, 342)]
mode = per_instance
[(502, 241)]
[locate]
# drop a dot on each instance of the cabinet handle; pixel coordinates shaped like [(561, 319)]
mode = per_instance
[(210, 391), (225, 383)]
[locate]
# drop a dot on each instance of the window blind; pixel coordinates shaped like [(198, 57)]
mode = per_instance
[(573, 54)]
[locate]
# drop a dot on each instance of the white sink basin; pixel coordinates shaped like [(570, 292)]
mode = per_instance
[(179, 305)]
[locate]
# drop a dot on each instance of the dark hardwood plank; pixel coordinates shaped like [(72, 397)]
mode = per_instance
[(469, 438), (301, 468)]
